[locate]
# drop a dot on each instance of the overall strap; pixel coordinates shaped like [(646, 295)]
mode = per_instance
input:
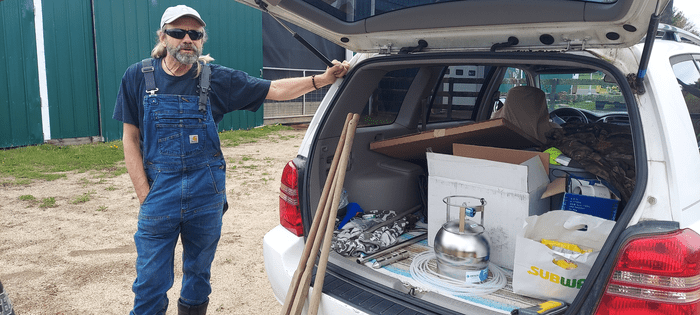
[(148, 75), (204, 81)]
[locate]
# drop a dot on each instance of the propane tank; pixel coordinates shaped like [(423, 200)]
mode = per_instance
[(461, 248)]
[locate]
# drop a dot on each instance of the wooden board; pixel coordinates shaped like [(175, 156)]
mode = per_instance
[(492, 133)]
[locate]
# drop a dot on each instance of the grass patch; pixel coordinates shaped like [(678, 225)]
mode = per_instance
[(82, 198), (49, 202), (27, 198), (237, 137), (21, 166), (49, 162), (111, 188)]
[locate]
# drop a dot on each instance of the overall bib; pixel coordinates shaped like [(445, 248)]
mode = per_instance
[(187, 173)]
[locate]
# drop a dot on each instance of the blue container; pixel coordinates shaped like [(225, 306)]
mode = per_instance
[(595, 206)]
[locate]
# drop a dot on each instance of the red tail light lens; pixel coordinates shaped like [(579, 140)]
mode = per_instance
[(658, 274), (290, 215)]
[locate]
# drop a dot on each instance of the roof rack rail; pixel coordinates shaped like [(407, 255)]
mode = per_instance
[(672, 33)]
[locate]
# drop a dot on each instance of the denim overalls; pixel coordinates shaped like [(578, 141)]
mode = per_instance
[(186, 173)]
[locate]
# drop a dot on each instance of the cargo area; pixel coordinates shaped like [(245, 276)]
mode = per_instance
[(441, 129)]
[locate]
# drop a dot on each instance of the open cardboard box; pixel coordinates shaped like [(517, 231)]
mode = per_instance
[(493, 133), (511, 182)]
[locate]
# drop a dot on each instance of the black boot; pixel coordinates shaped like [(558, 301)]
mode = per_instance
[(5, 304), (184, 309)]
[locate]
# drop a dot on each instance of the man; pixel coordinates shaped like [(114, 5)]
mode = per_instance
[(172, 153)]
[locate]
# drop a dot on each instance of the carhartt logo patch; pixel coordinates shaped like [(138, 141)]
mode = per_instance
[(194, 139)]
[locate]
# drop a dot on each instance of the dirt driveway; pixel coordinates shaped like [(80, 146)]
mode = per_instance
[(78, 257)]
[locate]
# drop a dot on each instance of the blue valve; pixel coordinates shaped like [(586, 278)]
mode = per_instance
[(470, 212)]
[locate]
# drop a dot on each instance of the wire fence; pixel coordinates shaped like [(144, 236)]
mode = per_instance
[(304, 106)]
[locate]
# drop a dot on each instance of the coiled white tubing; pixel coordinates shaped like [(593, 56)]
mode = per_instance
[(421, 272)]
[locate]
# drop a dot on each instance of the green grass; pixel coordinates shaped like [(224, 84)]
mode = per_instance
[(50, 162), (27, 198), (21, 166), (237, 137), (49, 202), (82, 198)]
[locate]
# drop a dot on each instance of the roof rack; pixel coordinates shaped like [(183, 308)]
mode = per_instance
[(672, 33)]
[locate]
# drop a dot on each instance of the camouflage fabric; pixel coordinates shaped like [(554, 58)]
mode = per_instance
[(370, 235), (603, 149)]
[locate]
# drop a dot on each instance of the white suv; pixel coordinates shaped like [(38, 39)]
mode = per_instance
[(425, 67)]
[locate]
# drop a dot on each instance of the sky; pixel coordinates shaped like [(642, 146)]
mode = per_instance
[(691, 10)]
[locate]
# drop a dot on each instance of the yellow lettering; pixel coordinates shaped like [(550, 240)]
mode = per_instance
[(544, 275), (554, 278), (533, 271)]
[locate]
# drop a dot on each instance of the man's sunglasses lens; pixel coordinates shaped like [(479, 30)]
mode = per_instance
[(180, 33)]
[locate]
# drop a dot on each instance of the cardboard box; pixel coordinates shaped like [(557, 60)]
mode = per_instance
[(511, 182), (493, 133)]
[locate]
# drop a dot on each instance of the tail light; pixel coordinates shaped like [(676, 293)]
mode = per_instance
[(657, 274), (290, 215)]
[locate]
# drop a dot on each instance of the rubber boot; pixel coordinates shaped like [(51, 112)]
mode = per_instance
[(5, 304), (184, 309)]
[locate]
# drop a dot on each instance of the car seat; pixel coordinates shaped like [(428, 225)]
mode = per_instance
[(526, 107)]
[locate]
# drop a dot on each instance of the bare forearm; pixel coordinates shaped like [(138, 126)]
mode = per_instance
[(291, 88), (134, 161)]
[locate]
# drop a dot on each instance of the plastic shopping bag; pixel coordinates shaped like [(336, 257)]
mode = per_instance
[(557, 267)]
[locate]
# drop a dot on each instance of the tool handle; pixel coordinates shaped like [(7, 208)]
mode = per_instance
[(313, 50)]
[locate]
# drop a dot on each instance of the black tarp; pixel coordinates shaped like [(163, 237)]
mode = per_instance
[(282, 50)]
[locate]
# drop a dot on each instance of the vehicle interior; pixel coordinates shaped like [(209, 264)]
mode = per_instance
[(397, 100), (412, 97)]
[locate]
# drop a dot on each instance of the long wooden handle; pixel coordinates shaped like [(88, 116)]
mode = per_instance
[(313, 231), (305, 281), (325, 252)]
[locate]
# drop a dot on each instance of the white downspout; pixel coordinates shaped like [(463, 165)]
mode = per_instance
[(41, 63)]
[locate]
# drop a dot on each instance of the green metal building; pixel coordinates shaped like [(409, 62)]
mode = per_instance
[(63, 61)]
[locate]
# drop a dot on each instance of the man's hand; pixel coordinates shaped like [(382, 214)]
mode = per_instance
[(339, 70), (291, 88), (134, 161)]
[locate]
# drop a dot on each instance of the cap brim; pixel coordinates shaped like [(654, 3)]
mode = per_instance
[(170, 20)]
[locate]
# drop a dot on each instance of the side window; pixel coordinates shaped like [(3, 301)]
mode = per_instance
[(457, 93), (384, 104), (687, 71)]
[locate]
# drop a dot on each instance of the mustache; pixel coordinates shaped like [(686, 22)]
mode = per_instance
[(186, 46)]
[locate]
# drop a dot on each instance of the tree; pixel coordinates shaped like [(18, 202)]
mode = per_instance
[(681, 21)]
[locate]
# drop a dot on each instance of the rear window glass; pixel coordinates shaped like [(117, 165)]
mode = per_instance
[(688, 75), (356, 10), (385, 102), (457, 94)]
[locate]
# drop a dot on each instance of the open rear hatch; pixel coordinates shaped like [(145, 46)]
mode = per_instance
[(388, 25)]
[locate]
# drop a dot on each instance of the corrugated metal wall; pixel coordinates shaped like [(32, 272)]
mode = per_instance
[(126, 33), (235, 40), (86, 58), (20, 104), (70, 69)]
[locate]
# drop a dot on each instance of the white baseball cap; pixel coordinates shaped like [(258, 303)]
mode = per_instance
[(178, 11)]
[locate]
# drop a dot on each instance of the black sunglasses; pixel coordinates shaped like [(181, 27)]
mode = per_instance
[(180, 33)]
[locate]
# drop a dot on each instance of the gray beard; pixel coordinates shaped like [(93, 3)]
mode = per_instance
[(184, 58)]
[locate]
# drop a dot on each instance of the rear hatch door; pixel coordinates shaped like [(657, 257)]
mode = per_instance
[(461, 25)]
